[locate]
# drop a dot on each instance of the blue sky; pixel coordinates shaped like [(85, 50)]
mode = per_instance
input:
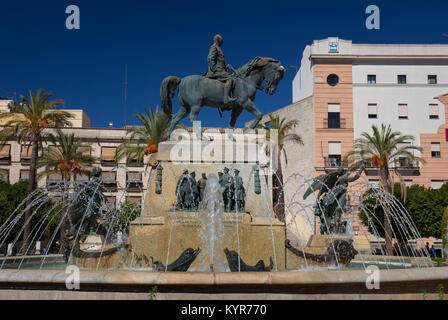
[(157, 39)]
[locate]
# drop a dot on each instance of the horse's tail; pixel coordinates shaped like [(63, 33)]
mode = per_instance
[(167, 91)]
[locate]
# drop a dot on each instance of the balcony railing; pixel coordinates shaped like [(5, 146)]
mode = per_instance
[(405, 167), (334, 163), (335, 123)]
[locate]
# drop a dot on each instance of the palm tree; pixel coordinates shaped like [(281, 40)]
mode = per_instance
[(28, 123), (145, 139), (382, 149), (67, 158), (280, 137)]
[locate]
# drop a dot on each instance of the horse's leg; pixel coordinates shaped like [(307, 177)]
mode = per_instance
[(193, 118), (250, 106), (235, 114), (177, 118)]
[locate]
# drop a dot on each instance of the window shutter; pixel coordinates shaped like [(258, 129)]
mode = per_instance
[(402, 110), (26, 153), (134, 177), (109, 177), (24, 174), (433, 109), (108, 154), (334, 148), (436, 184), (373, 108), (435, 147), (5, 152), (334, 107)]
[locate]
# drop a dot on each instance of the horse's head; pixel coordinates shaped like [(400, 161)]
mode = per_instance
[(273, 74), (271, 69)]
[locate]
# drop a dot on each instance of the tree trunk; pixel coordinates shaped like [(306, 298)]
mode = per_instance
[(278, 192), (31, 188), (384, 176)]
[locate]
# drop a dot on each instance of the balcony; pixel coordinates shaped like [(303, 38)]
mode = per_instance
[(25, 155), (54, 182), (108, 155), (134, 182), (404, 166), (333, 163), (335, 123), (5, 155), (109, 181)]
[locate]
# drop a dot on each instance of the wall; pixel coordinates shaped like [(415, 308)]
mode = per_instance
[(388, 94)]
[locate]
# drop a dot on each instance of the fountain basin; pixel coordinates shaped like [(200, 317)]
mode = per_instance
[(408, 283)]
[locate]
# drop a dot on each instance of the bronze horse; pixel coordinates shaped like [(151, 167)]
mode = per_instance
[(197, 91)]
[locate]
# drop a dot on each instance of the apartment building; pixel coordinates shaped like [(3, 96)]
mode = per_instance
[(121, 182), (343, 88)]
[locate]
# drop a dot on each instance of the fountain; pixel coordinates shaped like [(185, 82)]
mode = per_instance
[(220, 231)]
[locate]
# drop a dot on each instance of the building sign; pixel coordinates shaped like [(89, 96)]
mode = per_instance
[(333, 44)]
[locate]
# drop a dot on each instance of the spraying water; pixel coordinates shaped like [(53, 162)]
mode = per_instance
[(211, 213)]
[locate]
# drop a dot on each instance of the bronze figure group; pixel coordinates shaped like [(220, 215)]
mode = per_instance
[(190, 193)]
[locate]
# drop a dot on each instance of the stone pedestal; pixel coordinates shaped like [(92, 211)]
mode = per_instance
[(260, 238), (161, 231)]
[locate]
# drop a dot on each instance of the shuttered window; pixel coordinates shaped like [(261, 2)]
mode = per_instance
[(436, 184), (109, 177), (24, 174), (134, 177), (435, 150), (108, 153), (372, 110), (26, 153), (402, 111), (433, 111), (334, 148), (5, 152)]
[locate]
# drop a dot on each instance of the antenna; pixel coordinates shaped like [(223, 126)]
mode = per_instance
[(125, 93)]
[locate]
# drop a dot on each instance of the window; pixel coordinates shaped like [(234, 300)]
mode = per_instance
[(108, 156), (434, 111), (134, 181), (334, 116), (401, 79), (432, 79), (111, 201), (333, 80), (24, 174), (372, 110), (4, 176), (403, 161), (402, 111), (334, 154), (54, 181), (371, 78), (109, 181), (5, 155), (25, 155), (435, 149), (436, 184), (408, 183), (135, 200), (374, 182)]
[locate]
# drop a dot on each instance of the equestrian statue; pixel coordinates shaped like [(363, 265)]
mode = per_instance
[(221, 87)]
